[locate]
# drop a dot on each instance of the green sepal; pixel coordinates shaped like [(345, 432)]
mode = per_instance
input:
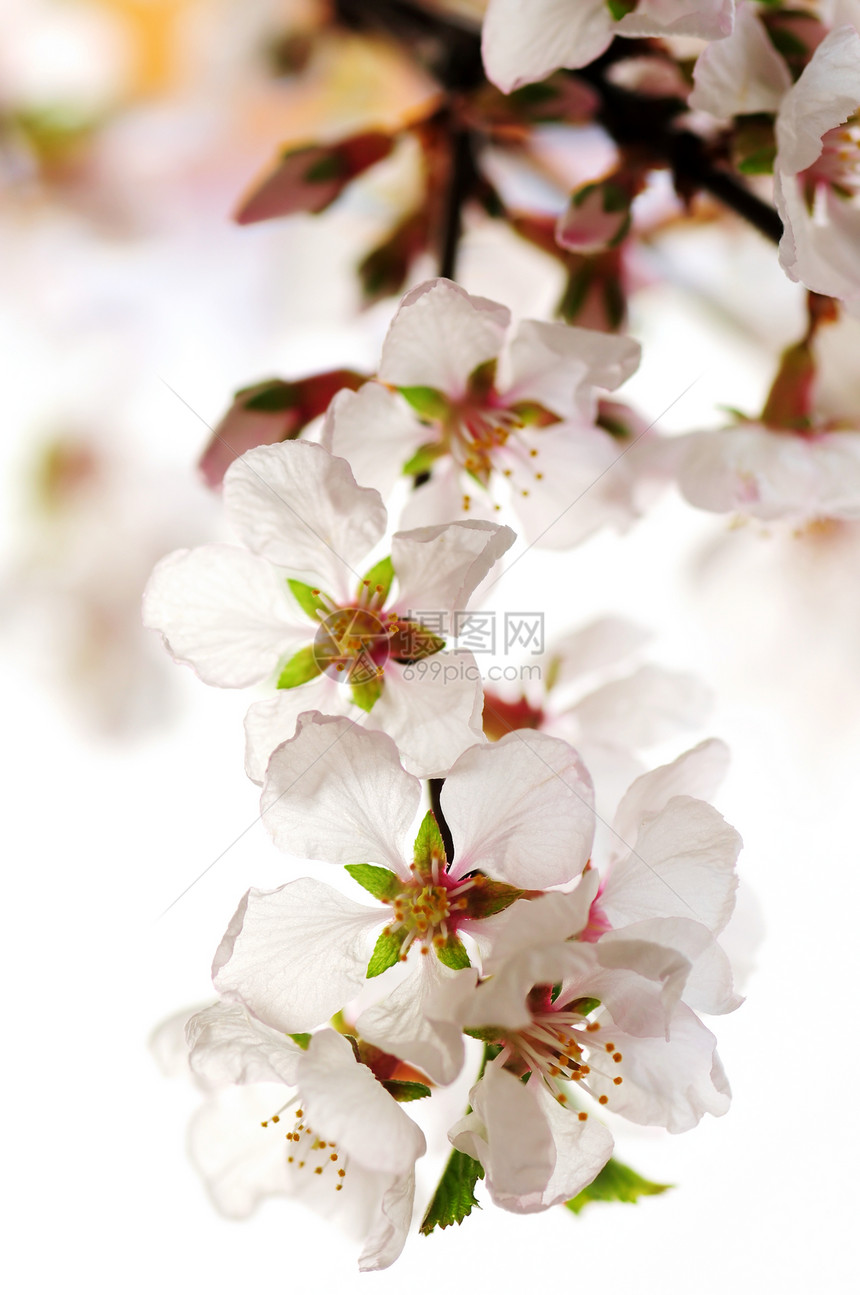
[(488, 1034), (309, 600), (299, 669), (405, 1090), (616, 1182), (488, 897), (381, 882), (423, 460), (414, 643), (454, 1198), (303, 1040), (386, 952), (585, 1006), (272, 397), (380, 576), (330, 167), (367, 694), (453, 953), (620, 8), (426, 401), (429, 845)]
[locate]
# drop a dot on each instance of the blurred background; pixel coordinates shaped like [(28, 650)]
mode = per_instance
[(132, 308)]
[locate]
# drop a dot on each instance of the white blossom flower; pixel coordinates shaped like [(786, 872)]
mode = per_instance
[(742, 74), (569, 1025), (497, 417), (349, 1150), (292, 599), (521, 819), (526, 40), (817, 170)]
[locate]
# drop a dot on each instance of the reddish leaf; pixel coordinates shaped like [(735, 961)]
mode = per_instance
[(309, 178)]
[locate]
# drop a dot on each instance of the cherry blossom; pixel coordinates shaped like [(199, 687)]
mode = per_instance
[(291, 599), (526, 40), (496, 415), (520, 815), (338, 1141)]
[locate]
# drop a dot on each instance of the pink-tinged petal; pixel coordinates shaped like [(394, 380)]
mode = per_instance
[(301, 508), (536, 923), (585, 482), (272, 721), (641, 983), (645, 708), (525, 40), (707, 19), (432, 709), (338, 793), (376, 432), (502, 1000), (342, 1097), (295, 955), (521, 810), (825, 95), (227, 1046), (224, 612), (390, 1228), (741, 74), (310, 177), (408, 1024), (709, 986), (819, 251), (508, 1133), (682, 865), (698, 772), (582, 1147), (240, 1162), (550, 363), (751, 470), (438, 568), (439, 336), (669, 1082)]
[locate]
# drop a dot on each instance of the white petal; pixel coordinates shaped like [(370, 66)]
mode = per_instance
[(438, 568), (342, 1097), (168, 1045), (645, 708), (601, 643), (825, 95), (549, 919), (698, 772), (751, 470), (525, 40), (300, 507), (338, 793), (294, 956), (582, 1148), (272, 721), (433, 711), (376, 432), (822, 253), (707, 19), (240, 1162), (741, 74), (225, 612), (227, 1046), (709, 986), (441, 498), (390, 1228), (509, 1134), (439, 335), (521, 810), (405, 1023), (673, 1082), (682, 865), (549, 363)]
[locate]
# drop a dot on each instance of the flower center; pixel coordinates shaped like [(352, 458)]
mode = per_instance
[(351, 644), (839, 163), (428, 909), (556, 1046), (308, 1151)]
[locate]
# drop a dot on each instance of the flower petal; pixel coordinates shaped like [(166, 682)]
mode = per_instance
[(582, 1148), (698, 772), (240, 1162), (523, 43), (338, 793), (438, 568), (406, 1024), (223, 611), (432, 709), (301, 508), (709, 986), (549, 919), (508, 1133), (227, 1046), (390, 1228), (295, 955), (376, 432), (645, 708), (439, 335), (825, 95), (273, 720), (521, 810), (741, 74), (552, 363)]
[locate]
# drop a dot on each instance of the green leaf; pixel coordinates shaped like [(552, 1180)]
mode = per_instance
[(299, 669), (429, 845), (616, 1182), (380, 576), (310, 600), (454, 1198), (453, 953), (386, 952), (301, 1039), (423, 460), (426, 401), (405, 1090), (368, 693), (382, 883)]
